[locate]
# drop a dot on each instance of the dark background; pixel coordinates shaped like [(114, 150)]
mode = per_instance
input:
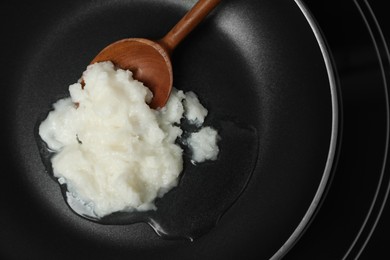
[(379, 243), (354, 220)]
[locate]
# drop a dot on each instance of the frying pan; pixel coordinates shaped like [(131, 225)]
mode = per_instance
[(260, 67)]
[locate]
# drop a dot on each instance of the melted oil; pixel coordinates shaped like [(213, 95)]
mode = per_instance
[(204, 193)]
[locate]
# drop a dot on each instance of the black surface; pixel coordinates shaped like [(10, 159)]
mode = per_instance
[(33, 227), (378, 242), (254, 64), (349, 214)]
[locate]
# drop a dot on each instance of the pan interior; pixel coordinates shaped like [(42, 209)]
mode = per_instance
[(257, 67)]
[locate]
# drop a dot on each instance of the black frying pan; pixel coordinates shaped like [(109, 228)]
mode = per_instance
[(262, 70)]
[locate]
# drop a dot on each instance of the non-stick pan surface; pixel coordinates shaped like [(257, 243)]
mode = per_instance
[(261, 69)]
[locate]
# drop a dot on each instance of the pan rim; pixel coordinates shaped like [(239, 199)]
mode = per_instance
[(335, 135)]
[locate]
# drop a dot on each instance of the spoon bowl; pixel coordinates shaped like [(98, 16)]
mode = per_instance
[(150, 61), (147, 60)]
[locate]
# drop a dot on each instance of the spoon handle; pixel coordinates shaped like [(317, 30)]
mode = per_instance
[(192, 18)]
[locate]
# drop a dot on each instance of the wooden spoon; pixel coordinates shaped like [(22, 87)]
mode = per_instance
[(150, 60)]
